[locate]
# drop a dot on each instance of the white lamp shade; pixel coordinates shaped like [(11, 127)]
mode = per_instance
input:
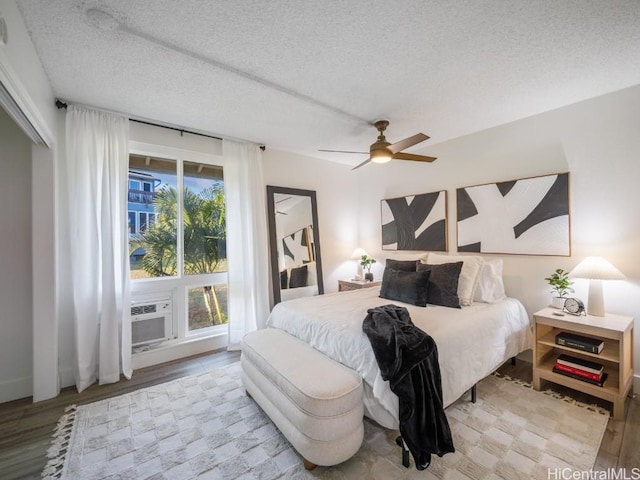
[(596, 268), (358, 253)]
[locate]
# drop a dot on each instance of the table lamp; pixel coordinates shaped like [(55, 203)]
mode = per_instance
[(596, 269), (357, 255)]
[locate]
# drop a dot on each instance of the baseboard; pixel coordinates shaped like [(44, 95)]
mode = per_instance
[(16, 389), (170, 352)]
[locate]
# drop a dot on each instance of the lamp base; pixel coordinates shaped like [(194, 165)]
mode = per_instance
[(595, 306)]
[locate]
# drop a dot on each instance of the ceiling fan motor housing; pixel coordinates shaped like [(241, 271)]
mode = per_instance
[(378, 150)]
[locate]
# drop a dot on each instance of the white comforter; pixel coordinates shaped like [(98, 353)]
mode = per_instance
[(472, 341)]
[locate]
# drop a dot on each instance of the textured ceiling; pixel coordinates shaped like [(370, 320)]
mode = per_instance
[(302, 76)]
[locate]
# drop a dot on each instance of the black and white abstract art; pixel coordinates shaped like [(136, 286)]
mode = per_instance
[(528, 216), (416, 222), (297, 248)]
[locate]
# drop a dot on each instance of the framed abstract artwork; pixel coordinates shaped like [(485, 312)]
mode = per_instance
[(529, 216), (297, 248), (415, 222)]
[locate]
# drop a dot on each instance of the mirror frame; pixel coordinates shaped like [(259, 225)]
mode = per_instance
[(273, 240)]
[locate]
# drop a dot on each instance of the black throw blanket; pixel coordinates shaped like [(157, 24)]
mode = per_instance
[(408, 359)]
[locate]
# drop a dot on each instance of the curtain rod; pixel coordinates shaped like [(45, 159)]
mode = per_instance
[(60, 104)]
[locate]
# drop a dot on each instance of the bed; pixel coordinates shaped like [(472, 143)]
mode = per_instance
[(472, 341)]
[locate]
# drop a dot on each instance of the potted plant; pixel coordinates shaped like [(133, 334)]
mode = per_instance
[(561, 285), (366, 262)]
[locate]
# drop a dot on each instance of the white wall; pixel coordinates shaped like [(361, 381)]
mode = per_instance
[(15, 262), (597, 141), (22, 74), (337, 200)]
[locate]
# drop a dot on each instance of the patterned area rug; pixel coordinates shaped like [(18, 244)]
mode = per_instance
[(204, 426)]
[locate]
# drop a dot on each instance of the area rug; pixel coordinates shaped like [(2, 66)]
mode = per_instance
[(204, 426)]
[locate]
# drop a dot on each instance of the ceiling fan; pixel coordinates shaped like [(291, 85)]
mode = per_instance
[(382, 151), (280, 212)]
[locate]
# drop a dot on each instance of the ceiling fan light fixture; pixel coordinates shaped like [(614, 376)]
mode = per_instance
[(381, 156)]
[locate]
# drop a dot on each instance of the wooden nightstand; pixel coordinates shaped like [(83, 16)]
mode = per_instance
[(617, 356), (345, 285)]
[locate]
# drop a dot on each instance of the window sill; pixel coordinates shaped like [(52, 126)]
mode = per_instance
[(176, 349)]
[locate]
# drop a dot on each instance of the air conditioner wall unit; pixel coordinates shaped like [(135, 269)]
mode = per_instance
[(151, 322)]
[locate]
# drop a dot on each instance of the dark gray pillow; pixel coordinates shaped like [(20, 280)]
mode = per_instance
[(284, 279), (407, 287), (443, 283), (298, 277), (404, 265)]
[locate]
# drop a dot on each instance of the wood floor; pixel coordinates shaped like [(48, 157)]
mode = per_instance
[(26, 428)]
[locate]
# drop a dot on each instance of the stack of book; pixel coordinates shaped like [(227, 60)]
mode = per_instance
[(586, 344), (580, 369)]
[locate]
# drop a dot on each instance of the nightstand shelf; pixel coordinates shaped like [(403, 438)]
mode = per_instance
[(617, 355), (609, 352), (346, 285)]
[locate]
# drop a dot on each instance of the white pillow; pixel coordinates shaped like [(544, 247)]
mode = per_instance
[(490, 285), (469, 275), (410, 256), (312, 276)]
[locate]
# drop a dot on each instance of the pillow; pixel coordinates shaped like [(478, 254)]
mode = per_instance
[(490, 285), (407, 287), (312, 274), (404, 265), (284, 279), (443, 283), (468, 276), (411, 256), (298, 277)]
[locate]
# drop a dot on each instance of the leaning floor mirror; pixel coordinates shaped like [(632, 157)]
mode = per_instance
[(294, 241)]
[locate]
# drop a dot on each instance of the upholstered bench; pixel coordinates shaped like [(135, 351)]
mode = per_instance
[(314, 401)]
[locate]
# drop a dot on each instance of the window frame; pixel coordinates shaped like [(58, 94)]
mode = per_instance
[(178, 286)]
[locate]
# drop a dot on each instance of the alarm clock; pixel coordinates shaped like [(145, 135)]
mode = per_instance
[(574, 306)]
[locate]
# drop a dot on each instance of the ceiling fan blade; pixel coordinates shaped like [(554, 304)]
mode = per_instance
[(407, 142), (362, 164), (342, 151), (413, 157)]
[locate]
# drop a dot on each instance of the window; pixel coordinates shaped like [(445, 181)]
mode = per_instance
[(132, 222), (177, 240)]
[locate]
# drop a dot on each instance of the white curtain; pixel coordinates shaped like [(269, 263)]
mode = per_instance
[(97, 173), (247, 252)]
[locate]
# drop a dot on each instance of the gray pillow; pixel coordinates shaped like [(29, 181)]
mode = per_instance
[(298, 277), (443, 283), (407, 287), (284, 279)]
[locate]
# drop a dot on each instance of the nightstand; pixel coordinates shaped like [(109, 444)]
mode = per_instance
[(617, 356), (345, 285)]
